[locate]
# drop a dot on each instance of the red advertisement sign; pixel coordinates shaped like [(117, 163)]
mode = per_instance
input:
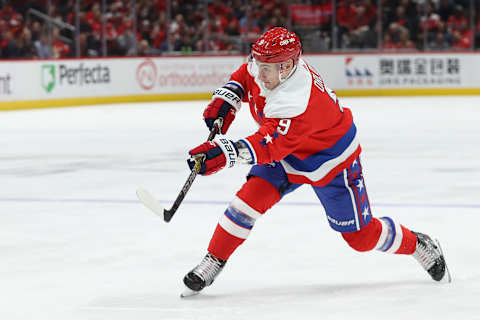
[(310, 15)]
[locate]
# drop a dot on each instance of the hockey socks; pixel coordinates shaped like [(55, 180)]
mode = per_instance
[(384, 235), (254, 198), (258, 195)]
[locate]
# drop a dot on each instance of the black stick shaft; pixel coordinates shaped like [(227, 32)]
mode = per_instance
[(168, 214)]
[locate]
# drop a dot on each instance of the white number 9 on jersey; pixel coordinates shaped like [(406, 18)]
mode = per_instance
[(283, 126)]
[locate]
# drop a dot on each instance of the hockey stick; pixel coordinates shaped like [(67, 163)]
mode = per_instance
[(150, 202)]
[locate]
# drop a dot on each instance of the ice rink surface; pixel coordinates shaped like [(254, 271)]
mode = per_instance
[(76, 244)]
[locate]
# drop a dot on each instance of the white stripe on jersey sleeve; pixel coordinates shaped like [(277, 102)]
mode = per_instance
[(250, 150)]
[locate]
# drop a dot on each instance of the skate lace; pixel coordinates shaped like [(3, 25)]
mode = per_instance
[(208, 268), (426, 254)]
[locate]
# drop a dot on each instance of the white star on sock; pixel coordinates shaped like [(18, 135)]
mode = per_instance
[(365, 213), (360, 185)]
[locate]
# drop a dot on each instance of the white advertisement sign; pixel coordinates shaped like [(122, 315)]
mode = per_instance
[(50, 79), (116, 77), (396, 71), (184, 75)]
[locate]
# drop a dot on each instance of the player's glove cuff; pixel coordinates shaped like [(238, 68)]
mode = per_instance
[(216, 155), (246, 154), (229, 150)]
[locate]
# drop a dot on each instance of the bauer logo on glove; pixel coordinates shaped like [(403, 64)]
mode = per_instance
[(218, 154), (226, 101)]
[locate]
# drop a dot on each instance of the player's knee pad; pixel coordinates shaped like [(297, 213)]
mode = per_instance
[(259, 194), (366, 238)]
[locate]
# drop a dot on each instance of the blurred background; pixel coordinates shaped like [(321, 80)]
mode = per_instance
[(76, 243), (98, 28)]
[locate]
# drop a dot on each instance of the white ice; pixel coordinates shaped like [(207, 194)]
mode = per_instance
[(76, 244)]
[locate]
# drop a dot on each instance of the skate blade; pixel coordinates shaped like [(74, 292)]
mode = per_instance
[(447, 278), (188, 293)]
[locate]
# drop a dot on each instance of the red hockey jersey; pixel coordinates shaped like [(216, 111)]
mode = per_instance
[(302, 125)]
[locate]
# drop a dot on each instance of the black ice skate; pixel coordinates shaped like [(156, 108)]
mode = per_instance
[(429, 254), (202, 275)]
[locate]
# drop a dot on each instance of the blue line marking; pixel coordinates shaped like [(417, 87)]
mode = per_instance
[(226, 203)]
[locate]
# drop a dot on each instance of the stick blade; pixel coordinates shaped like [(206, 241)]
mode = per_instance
[(150, 202), (187, 292)]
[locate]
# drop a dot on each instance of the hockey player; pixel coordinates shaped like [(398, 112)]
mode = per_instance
[(305, 136)]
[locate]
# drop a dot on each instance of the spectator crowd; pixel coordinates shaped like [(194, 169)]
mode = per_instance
[(33, 29)]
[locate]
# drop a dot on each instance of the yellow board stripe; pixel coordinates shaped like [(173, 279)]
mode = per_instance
[(407, 92), (53, 103)]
